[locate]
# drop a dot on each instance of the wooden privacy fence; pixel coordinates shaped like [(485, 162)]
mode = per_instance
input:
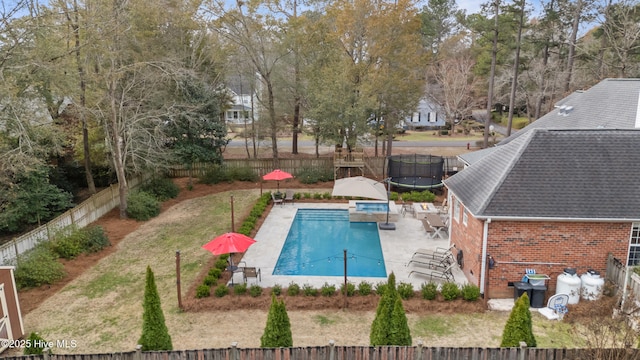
[(375, 166), (618, 276), (332, 352), (82, 215)]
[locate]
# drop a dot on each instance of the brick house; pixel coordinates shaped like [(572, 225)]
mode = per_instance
[(548, 200)]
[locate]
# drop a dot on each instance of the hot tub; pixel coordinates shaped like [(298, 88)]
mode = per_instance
[(372, 211)]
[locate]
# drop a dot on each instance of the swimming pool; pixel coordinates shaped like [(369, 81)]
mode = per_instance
[(371, 206), (315, 244)]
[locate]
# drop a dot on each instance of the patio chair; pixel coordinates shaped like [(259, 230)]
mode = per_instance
[(289, 195), (276, 201), (436, 274)]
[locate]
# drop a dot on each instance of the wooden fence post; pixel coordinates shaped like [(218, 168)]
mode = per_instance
[(332, 350), (234, 353), (419, 353), (523, 347), (138, 353)]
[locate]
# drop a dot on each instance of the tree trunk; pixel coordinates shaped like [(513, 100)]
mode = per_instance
[(494, 54), (274, 124), (83, 89), (572, 46), (516, 65)]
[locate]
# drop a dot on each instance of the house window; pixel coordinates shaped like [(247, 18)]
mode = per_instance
[(465, 217), (456, 210), (634, 249)]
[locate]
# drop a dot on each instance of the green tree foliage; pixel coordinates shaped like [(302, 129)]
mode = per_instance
[(390, 326), (155, 335), (35, 345), (277, 332), (519, 326), (32, 200)]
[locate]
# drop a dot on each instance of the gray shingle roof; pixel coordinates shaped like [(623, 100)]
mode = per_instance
[(562, 174), (610, 104)]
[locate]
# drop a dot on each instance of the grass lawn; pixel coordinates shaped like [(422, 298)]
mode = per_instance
[(102, 309)]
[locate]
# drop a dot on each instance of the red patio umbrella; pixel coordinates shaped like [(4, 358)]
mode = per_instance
[(277, 175), (229, 243)]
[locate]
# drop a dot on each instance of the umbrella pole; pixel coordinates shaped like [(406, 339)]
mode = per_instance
[(387, 225)]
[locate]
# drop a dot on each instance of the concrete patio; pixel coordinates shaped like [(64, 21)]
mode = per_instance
[(397, 245)]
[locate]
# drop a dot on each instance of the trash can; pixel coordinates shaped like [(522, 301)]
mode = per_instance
[(537, 296), (519, 288)]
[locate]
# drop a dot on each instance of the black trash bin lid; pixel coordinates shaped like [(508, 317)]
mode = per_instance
[(570, 271)]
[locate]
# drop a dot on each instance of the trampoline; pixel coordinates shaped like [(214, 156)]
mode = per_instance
[(416, 172)]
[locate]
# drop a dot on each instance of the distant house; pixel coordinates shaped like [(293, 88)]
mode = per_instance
[(560, 193), (427, 115), (242, 112)]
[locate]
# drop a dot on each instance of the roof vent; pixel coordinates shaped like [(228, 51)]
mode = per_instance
[(564, 110)]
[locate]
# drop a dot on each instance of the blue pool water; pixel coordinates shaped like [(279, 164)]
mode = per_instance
[(371, 207), (316, 241)]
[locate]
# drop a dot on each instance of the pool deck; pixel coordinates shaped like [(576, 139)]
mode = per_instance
[(397, 246)]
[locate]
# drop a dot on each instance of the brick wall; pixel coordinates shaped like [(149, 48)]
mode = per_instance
[(547, 247)]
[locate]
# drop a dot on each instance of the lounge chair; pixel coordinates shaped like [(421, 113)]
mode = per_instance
[(435, 263), (289, 196), (276, 201), (436, 274), (248, 272), (438, 253)]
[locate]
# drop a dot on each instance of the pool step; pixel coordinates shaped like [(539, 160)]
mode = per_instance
[(323, 215)]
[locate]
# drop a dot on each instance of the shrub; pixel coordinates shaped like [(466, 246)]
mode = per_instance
[(161, 188), (67, 243), (470, 292), (351, 289), (293, 289), (240, 289), (215, 272), (381, 287), (419, 196), (215, 175), (242, 174), (224, 257), (203, 291), (220, 264), (429, 291), (327, 290), (38, 266), (255, 290), (277, 331), (35, 345), (210, 280), (364, 288), (155, 335), (276, 290), (95, 239), (309, 290), (450, 291), (221, 290), (519, 326), (313, 176), (142, 206), (405, 290)]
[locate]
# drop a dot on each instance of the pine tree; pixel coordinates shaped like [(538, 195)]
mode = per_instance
[(277, 332), (519, 326), (390, 324), (155, 335)]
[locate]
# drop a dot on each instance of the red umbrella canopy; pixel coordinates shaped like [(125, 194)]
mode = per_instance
[(229, 243), (278, 175)]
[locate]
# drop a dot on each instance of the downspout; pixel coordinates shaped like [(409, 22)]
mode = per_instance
[(483, 266)]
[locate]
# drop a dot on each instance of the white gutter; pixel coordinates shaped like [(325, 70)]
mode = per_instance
[(517, 218), (483, 266)]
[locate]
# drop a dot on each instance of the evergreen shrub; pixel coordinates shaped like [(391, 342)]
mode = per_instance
[(222, 290), (38, 266), (470, 292), (429, 291), (450, 291), (255, 290), (405, 290), (365, 288), (203, 291), (142, 206), (277, 331), (161, 188)]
